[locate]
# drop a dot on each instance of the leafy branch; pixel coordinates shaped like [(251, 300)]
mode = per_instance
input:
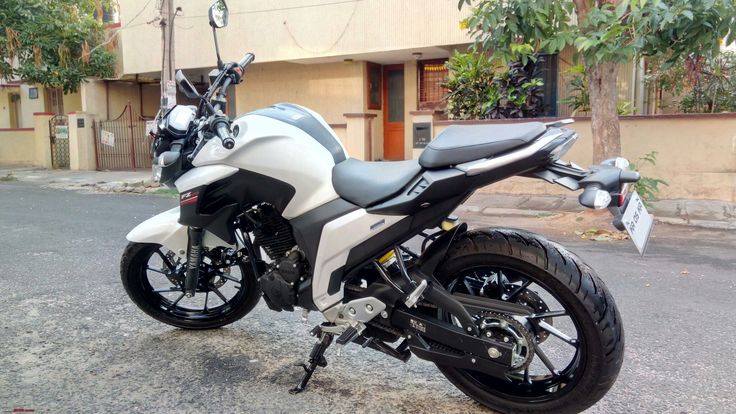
[(53, 42), (647, 187)]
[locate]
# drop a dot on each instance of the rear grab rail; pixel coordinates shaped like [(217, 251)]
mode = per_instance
[(604, 186)]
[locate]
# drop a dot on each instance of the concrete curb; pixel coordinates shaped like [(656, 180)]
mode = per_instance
[(713, 214), (138, 182)]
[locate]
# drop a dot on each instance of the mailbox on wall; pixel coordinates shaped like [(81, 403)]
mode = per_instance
[(422, 133)]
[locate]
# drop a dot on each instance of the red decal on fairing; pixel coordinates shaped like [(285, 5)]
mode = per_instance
[(189, 197), (189, 201)]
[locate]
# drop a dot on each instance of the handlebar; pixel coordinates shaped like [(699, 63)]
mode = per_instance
[(220, 124), (246, 60), (223, 132)]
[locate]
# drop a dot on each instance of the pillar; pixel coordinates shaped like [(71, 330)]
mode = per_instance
[(359, 135), (422, 119), (81, 142), (42, 139)]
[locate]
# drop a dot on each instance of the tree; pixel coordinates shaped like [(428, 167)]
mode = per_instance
[(604, 34), (697, 84), (56, 43)]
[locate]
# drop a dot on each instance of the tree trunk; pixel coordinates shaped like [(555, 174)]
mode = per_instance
[(604, 110)]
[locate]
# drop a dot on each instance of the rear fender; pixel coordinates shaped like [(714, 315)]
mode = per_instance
[(164, 229), (436, 251)]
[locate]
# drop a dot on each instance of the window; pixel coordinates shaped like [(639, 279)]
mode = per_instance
[(374, 85), (432, 77), (110, 15)]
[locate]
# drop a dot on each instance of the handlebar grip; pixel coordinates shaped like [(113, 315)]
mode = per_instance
[(246, 60), (225, 136)]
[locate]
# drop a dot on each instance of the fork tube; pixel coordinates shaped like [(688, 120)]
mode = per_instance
[(194, 257)]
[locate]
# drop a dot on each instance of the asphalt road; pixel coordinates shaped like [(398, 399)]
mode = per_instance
[(71, 341)]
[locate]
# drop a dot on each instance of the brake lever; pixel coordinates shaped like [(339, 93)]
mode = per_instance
[(202, 140)]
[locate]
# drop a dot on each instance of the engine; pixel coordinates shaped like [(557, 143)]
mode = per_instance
[(281, 282), (273, 232)]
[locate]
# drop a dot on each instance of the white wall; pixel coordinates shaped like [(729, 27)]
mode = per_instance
[(29, 106), (331, 89), (289, 30)]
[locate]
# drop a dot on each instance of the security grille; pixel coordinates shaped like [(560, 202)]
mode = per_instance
[(59, 141), (432, 78), (122, 143)]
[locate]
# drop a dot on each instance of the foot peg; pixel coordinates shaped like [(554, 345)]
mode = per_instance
[(347, 336), (415, 295), (316, 359)]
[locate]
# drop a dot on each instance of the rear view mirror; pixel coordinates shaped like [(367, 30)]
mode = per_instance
[(218, 14), (185, 86)]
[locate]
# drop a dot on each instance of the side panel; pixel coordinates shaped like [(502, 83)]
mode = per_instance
[(281, 150), (338, 237), (215, 206), (308, 227), (164, 229), (197, 177)]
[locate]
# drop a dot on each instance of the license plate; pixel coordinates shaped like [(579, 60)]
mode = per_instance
[(638, 222)]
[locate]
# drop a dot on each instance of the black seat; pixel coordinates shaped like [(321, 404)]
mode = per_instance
[(462, 143), (365, 183)]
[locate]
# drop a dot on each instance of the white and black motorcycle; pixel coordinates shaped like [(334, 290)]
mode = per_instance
[(272, 206)]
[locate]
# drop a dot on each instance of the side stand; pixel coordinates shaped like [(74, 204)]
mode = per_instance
[(316, 359)]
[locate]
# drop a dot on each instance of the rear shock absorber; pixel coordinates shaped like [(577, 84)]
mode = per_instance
[(194, 257)]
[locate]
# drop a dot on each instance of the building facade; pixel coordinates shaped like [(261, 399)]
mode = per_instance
[(376, 60), (357, 57)]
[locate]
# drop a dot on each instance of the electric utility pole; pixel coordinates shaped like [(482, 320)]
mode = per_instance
[(168, 86)]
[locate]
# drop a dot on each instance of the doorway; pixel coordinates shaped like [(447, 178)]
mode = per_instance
[(14, 107), (393, 112), (55, 101)]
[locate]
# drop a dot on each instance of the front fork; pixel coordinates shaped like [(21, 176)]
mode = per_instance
[(194, 258)]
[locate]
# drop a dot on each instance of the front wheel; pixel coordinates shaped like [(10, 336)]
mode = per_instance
[(153, 277), (568, 353)]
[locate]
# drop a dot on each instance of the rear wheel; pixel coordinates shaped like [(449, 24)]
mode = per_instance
[(153, 277), (568, 354)]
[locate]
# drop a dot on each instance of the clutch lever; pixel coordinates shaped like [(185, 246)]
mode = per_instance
[(200, 144)]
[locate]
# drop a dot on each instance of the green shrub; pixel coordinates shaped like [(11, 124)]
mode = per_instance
[(647, 187), (479, 90)]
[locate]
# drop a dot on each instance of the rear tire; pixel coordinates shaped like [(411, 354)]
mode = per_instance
[(576, 287)]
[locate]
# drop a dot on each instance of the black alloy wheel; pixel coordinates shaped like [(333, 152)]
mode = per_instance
[(153, 277), (574, 339)]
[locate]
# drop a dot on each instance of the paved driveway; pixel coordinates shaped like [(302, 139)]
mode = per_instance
[(71, 341)]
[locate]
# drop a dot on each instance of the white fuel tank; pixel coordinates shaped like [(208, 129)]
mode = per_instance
[(286, 142)]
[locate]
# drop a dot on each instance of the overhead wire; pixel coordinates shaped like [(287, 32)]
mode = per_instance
[(127, 25), (303, 6)]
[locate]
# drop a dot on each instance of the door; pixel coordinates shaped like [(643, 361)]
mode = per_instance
[(393, 112), (55, 101), (14, 106)]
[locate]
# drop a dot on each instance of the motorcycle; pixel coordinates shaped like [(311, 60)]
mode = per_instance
[(272, 206)]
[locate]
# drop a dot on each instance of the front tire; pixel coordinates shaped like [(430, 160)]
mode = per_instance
[(531, 261), (169, 306)]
